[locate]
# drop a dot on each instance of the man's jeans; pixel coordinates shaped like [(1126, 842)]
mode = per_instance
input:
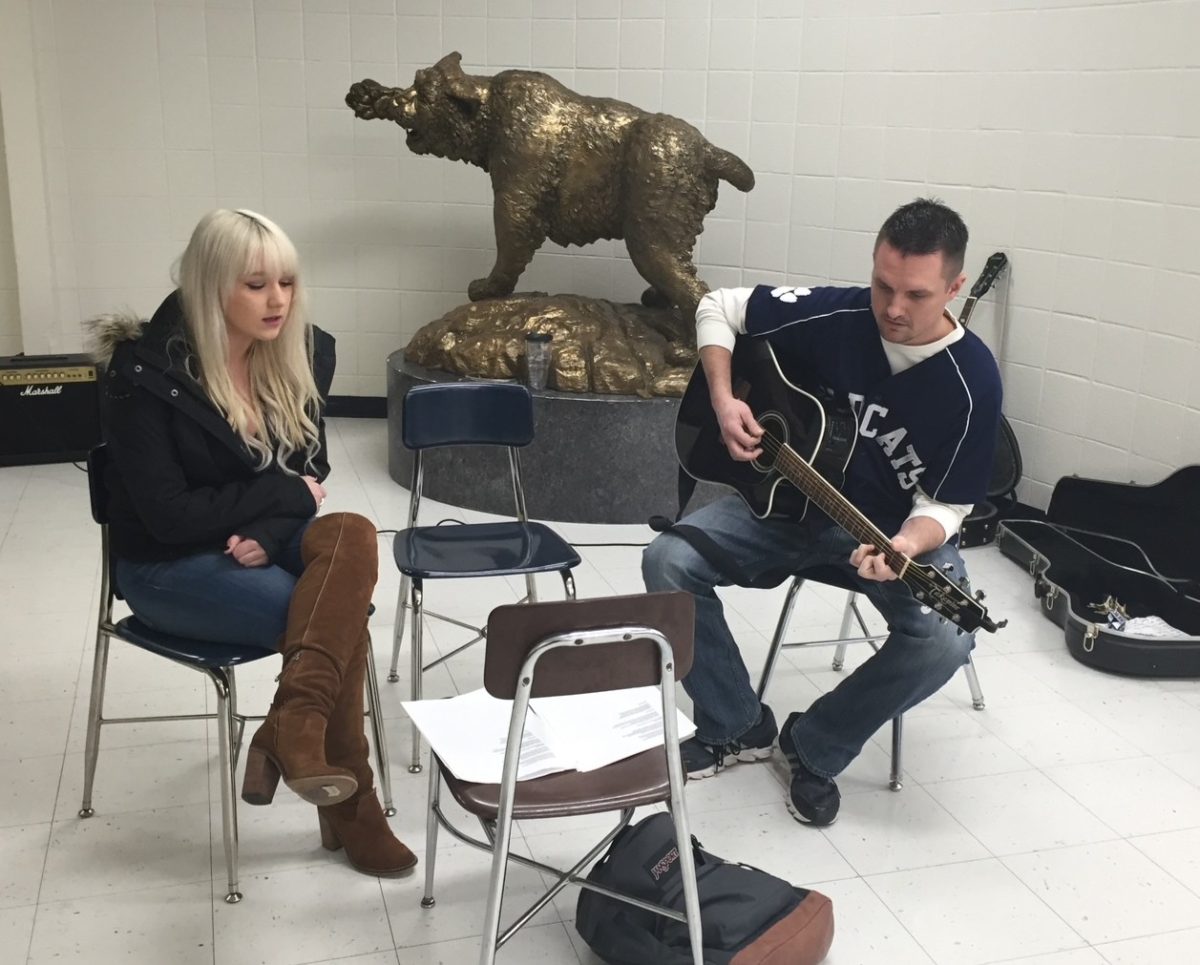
[(211, 596), (921, 653)]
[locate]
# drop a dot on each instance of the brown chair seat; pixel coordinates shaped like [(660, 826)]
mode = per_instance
[(633, 782)]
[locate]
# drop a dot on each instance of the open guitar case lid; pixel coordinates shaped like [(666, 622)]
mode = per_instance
[(1104, 543)]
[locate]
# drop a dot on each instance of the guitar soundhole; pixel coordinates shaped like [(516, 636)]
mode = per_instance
[(776, 426)]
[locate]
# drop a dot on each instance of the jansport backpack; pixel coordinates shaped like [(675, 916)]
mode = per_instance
[(748, 917)]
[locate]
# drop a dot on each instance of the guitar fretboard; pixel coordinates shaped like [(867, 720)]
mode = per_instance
[(810, 482)]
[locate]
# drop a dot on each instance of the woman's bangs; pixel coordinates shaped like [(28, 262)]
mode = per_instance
[(272, 256)]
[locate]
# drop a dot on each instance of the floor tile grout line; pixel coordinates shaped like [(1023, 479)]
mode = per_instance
[(1099, 946), (1041, 899), (388, 917), (1166, 871), (198, 879), (1090, 810), (58, 790), (992, 858)]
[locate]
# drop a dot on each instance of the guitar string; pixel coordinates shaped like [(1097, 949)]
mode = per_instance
[(841, 510), (836, 506)]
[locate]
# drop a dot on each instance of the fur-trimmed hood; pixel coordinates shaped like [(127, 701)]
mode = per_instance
[(161, 343), (106, 332)]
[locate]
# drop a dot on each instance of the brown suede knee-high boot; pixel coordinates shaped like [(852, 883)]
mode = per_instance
[(326, 617), (358, 824)]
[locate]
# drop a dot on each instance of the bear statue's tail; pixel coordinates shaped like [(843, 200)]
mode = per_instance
[(730, 167)]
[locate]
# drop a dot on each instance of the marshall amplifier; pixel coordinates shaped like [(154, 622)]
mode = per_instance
[(49, 408)]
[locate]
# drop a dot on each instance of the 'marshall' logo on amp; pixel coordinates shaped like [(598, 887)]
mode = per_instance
[(42, 390)]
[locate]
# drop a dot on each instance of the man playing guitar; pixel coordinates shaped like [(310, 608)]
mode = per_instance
[(925, 395)]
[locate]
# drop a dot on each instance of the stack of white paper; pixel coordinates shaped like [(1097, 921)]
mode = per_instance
[(581, 732)]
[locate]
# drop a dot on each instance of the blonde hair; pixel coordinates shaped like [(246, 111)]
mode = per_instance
[(282, 419)]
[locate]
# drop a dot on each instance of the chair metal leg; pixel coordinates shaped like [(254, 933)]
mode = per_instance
[(894, 781), (418, 634), (495, 898), (398, 635), (431, 830), (849, 612), (239, 722), (781, 625), (530, 588), (382, 765), (973, 683), (568, 584), (229, 827), (687, 868), (91, 750)]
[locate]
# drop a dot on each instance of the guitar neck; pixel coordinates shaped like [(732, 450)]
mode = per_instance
[(964, 317), (837, 507)]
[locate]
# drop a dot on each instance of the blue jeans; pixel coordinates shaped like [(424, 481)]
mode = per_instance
[(210, 596), (920, 654)]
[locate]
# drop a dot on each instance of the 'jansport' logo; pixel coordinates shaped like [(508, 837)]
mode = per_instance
[(664, 864)]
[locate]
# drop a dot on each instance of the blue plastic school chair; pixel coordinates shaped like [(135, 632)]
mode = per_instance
[(467, 414), (215, 660)]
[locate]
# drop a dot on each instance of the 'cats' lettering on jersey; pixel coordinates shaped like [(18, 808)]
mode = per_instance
[(902, 456)]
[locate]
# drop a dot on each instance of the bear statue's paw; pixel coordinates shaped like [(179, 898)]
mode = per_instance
[(482, 288)]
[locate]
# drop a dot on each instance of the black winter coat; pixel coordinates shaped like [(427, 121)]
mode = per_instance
[(180, 480)]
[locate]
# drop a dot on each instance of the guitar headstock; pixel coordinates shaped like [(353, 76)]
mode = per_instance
[(992, 268), (936, 590)]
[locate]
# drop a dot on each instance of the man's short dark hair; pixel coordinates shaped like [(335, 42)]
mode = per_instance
[(926, 226)]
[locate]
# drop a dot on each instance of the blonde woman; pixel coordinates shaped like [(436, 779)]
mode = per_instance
[(215, 428)]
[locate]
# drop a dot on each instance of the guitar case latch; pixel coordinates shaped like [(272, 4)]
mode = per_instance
[(1045, 591), (1089, 637)]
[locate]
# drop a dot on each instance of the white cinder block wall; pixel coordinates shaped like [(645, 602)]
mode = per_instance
[(10, 315), (1065, 131)]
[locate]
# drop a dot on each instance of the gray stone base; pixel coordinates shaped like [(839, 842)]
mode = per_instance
[(594, 458)]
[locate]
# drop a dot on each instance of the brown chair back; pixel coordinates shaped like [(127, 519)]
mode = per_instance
[(515, 629)]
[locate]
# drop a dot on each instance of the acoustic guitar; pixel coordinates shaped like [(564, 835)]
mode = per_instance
[(806, 445)]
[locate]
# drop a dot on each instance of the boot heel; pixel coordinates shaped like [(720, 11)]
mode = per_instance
[(329, 838), (262, 777)]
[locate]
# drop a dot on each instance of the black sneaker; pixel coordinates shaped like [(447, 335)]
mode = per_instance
[(811, 799), (757, 744)]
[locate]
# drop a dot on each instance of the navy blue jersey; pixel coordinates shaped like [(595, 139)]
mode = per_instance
[(932, 425)]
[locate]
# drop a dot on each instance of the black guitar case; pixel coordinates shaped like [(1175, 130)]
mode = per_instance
[(1104, 543)]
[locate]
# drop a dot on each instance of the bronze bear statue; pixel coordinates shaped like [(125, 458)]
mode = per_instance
[(566, 167)]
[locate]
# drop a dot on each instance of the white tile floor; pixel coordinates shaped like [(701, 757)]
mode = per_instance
[(1060, 826)]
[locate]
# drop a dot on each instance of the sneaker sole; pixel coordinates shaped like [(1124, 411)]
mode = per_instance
[(748, 755), (801, 818)]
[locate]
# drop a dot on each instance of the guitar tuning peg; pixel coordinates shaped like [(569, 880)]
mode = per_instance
[(947, 567), (980, 595), (963, 584), (1002, 624)]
